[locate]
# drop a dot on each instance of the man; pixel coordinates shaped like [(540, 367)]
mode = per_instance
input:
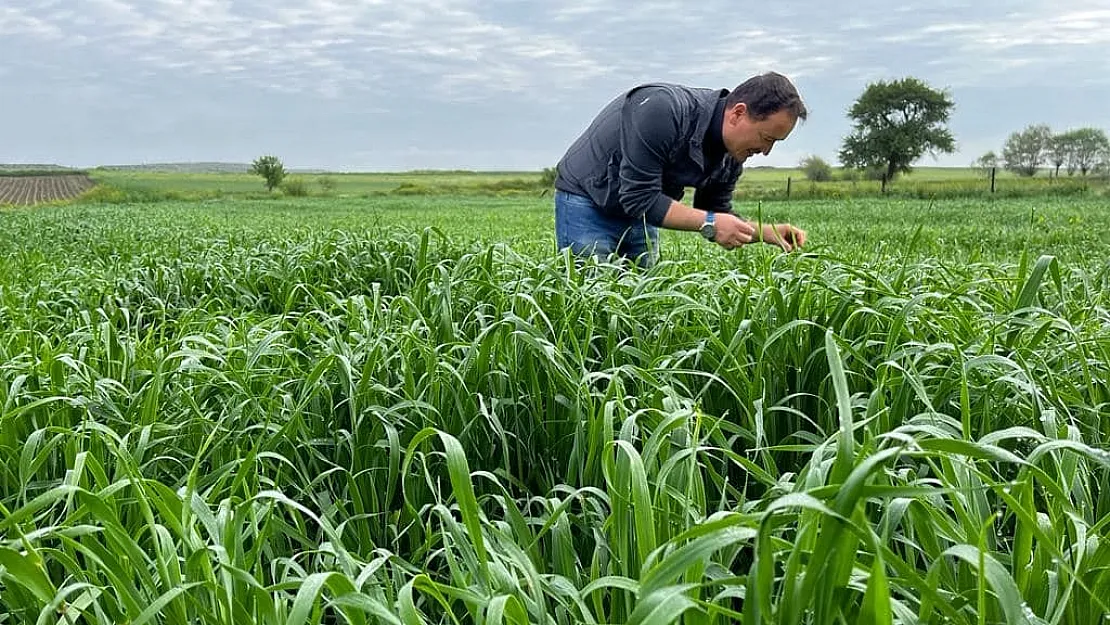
[(625, 176)]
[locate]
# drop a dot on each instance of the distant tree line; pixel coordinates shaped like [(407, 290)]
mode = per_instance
[(894, 123), (1077, 151), (897, 122)]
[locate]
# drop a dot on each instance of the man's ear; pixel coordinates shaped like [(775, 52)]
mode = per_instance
[(737, 111)]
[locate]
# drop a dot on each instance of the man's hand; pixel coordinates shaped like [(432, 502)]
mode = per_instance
[(732, 232), (785, 236)]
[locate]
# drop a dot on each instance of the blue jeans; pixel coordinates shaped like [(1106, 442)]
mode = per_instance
[(580, 226)]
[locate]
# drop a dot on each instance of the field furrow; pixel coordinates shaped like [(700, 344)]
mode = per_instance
[(24, 191), (30, 190)]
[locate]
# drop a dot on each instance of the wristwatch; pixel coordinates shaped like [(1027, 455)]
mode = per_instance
[(709, 229)]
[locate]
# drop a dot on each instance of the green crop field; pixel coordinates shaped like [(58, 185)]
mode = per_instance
[(345, 183), (410, 409), (123, 186)]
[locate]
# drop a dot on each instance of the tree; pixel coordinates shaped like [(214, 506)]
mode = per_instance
[(816, 169), (985, 163), (1059, 151), (271, 169), (1071, 165), (1025, 150), (1087, 146), (895, 123), (1102, 167)]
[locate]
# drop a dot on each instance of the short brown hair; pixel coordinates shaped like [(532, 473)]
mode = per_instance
[(766, 94)]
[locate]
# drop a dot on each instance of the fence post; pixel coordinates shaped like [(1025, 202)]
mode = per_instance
[(788, 179), (992, 179)]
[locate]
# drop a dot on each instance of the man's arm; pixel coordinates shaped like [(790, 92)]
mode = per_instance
[(649, 133), (679, 216), (731, 230)]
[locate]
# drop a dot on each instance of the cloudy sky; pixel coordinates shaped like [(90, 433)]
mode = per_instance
[(505, 84)]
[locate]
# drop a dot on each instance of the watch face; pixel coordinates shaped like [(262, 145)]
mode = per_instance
[(708, 231)]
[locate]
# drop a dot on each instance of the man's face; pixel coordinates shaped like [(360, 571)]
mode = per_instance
[(745, 136)]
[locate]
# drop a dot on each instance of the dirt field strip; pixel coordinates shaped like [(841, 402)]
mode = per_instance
[(30, 190)]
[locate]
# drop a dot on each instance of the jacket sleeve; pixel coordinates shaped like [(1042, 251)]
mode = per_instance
[(649, 131), (716, 196)]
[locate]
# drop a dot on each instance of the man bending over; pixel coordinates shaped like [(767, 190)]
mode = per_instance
[(625, 176)]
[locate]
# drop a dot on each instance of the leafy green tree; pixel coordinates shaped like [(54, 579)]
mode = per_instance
[(1086, 147), (895, 123), (985, 163), (271, 169), (1059, 151), (1026, 149), (1102, 165)]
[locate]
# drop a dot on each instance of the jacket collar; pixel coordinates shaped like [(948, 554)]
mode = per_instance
[(710, 111)]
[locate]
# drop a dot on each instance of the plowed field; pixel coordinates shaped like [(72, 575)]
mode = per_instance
[(27, 190)]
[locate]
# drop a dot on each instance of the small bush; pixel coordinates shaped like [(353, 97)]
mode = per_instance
[(110, 194), (294, 186), (506, 187), (327, 184), (816, 169), (412, 188)]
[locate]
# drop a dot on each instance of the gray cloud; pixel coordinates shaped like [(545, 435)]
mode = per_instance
[(448, 80), (16, 21), (322, 45)]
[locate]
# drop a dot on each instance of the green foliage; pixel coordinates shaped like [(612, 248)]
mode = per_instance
[(895, 123), (104, 193), (1102, 168), (271, 169), (871, 186), (240, 413), (547, 177), (1060, 147), (985, 163), (295, 186), (849, 174), (1079, 150), (327, 183), (877, 173), (505, 186), (816, 168), (1026, 150), (757, 183), (1083, 149)]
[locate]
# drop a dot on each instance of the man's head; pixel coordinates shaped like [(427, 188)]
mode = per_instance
[(760, 112)]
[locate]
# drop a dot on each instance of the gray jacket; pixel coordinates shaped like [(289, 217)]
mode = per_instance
[(644, 148)]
